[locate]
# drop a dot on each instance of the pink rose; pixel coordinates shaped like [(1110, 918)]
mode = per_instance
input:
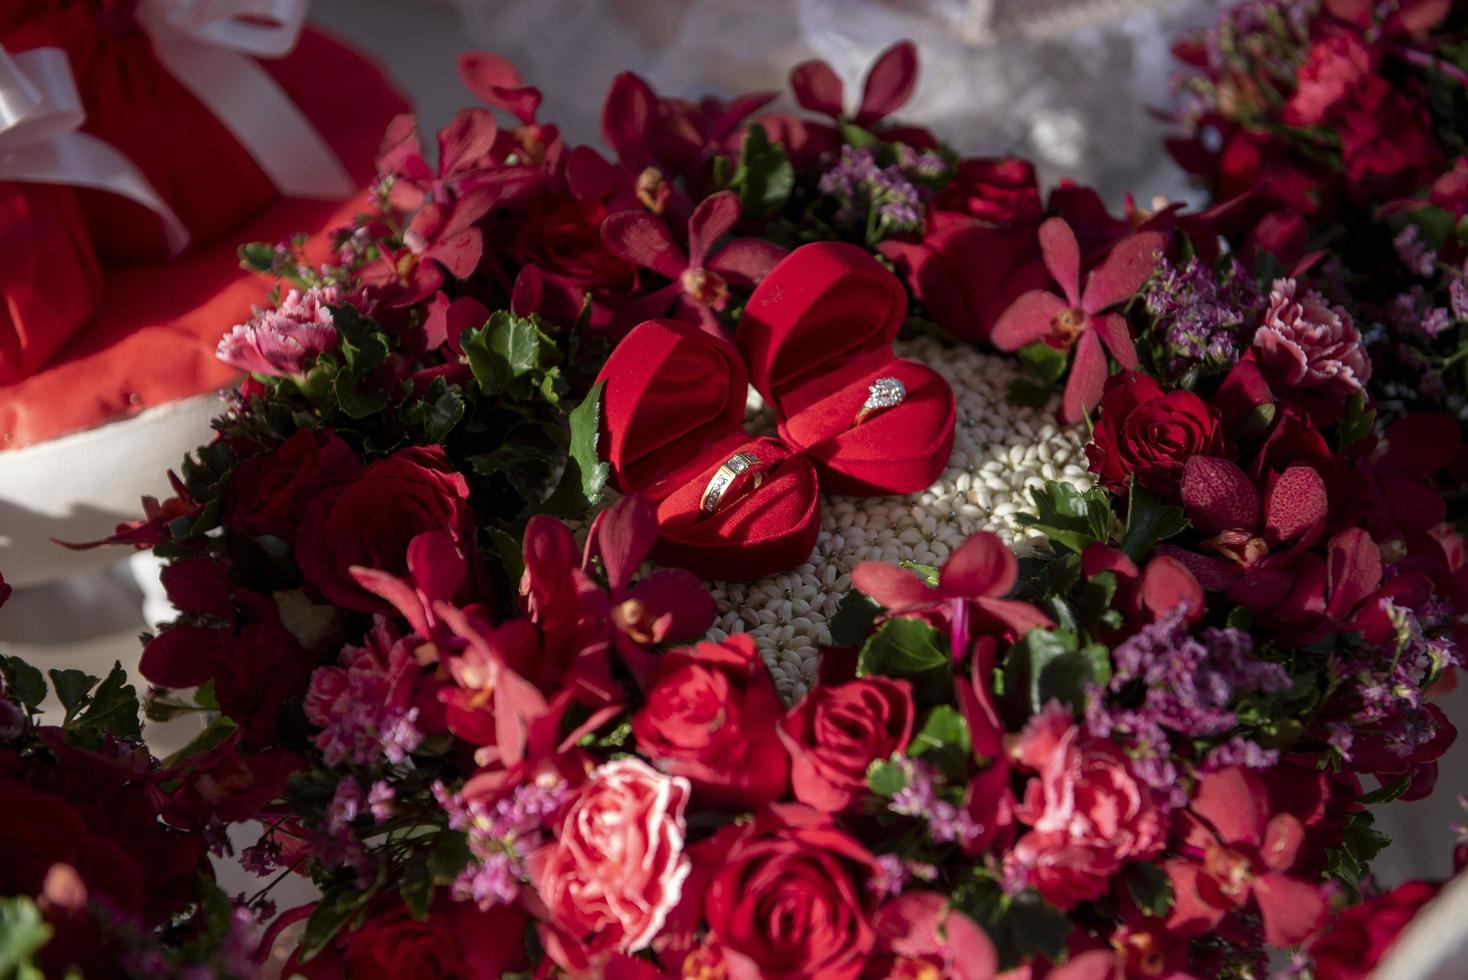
[(1305, 342), (617, 865), (1088, 812)]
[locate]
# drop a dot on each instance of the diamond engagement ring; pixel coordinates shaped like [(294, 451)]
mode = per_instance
[(881, 394), (735, 468)]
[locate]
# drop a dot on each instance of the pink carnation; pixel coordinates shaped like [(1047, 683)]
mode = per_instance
[(1087, 810), (617, 865), (285, 340), (1306, 343)]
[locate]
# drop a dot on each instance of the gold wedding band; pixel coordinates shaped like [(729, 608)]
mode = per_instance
[(739, 465), (881, 394)]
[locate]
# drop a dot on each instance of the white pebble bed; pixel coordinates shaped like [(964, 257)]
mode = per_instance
[(999, 452)]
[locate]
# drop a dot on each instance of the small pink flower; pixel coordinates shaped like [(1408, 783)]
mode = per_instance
[(285, 340), (1307, 343), (617, 866)]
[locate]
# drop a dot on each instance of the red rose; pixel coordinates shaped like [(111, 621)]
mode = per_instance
[(457, 941), (563, 238), (1088, 813), (996, 190), (835, 733), (269, 493), (1148, 433), (370, 521), (792, 897), (617, 866), (711, 717), (258, 671)]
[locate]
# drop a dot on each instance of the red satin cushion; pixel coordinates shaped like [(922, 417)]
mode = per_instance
[(672, 411), (49, 281), (816, 333), (152, 340), (138, 106)]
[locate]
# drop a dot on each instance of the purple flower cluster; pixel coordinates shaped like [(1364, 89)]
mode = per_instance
[(919, 798), (1167, 681), (884, 198), (1204, 319), (1412, 314), (501, 836)]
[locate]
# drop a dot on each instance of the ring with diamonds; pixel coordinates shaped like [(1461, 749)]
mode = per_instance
[(881, 394), (735, 468)]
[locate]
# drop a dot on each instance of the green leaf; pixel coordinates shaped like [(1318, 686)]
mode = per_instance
[(586, 474), (852, 623), (764, 176), (1150, 888), (1149, 521), (449, 856), (885, 777), (1361, 842), (71, 688), (219, 729), (24, 682), (511, 355), (1358, 423), (945, 739), (257, 257), (332, 913), (1387, 792), (1025, 392), (1044, 361), (416, 886), (927, 573), (909, 648), (440, 416), (112, 709), (1049, 665), (510, 551), (1022, 926), (854, 135), (1071, 519), (23, 934)]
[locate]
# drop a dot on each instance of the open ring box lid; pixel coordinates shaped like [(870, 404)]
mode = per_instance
[(673, 413), (816, 333)]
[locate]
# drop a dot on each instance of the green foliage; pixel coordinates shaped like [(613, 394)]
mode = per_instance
[(1149, 887), (1022, 926), (95, 711), (764, 176), (885, 777), (1360, 844), (1050, 665), (23, 934), (1149, 521), (24, 682), (945, 740), (513, 357), (1069, 518), (855, 615), (586, 474), (912, 649), (1045, 362)]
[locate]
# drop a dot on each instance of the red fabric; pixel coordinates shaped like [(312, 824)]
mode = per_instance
[(136, 105), (673, 406), (153, 339), (41, 227), (816, 333)]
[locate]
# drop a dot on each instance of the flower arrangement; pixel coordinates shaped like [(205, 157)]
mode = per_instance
[(447, 685)]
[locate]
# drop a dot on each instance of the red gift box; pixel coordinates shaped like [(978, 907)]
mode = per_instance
[(50, 280), (816, 333), (673, 413)]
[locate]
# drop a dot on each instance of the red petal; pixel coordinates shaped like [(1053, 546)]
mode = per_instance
[(590, 177), (1117, 337), (1122, 274), (459, 254), (1234, 801), (745, 261), (895, 588), (1282, 839), (981, 566), (622, 536), (1190, 915), (714, 218), (817, 88), (1219, 496), (1087, 379), (626, 116), (402, 150), (1295, 505), (493, 79), (1062, 257), (1262, 589), (1027, 320), (181, 656), (1353, 573), (643, 239), (1094, 964), (1021, 617), (678, 594), (400, 594), (198, 585), (1098, 558), (1292, 909), (436, 566), (1421, 443), (889, 84), (1167, 584), (467, 137)]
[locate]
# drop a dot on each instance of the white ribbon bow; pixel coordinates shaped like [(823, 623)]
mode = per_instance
[(208, 45), (40, 113)]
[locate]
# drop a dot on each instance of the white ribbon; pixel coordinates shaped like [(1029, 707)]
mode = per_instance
[(40, 113), (208, 45)]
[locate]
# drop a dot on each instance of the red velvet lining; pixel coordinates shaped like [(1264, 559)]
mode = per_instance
[(153, 338), (817, 331), (673, 407)]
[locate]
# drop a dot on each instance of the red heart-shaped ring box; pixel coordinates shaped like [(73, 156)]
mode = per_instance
[(816, 333)]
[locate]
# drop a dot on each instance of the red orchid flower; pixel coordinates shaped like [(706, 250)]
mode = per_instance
[(1253, 539), (464, 163), (1078, 317), (1146, 596), (440, 239), (494, 80), (1237, 853), (436, 572), (700, 279), (888, 85), (972, 583)]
